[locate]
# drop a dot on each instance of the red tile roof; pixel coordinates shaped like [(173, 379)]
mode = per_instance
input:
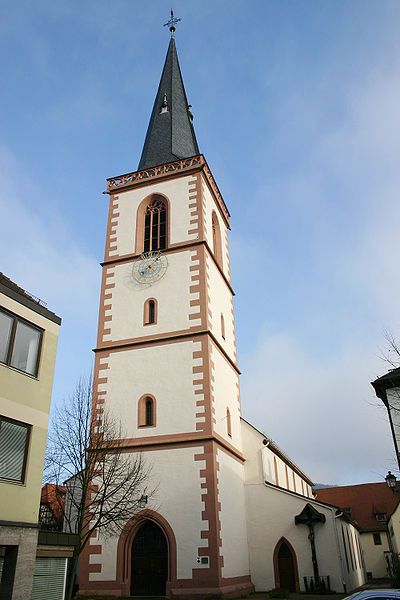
[(53, 496), (365, 500)]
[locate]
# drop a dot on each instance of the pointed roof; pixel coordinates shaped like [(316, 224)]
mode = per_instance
[(170, 135)]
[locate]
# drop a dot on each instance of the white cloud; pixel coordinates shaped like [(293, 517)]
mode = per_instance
[(322, 411), (315, 400), (41, 255)]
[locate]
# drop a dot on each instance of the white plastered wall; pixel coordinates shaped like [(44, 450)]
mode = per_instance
[(270, 515), (351, 553), (226, 394), (171, 293), (234, 547), (220, 304), (175, 476), (211, 205), (131, 374), (177, 192)]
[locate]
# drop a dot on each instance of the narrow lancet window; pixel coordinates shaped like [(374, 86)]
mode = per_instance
[(150, 312), (155, 226), (228, 422), (147, 411), (216, 235), (222, 326)]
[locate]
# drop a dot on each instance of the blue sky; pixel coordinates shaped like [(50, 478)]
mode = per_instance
[(296, 108)]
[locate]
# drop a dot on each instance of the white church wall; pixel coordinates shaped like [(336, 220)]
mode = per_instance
[(234, 538), (171, 292), (177, 192), (175, 476), (271, 515), (220, 303), (210, 205), (226, 395), (351, 552), (131, 375), (107, 558)]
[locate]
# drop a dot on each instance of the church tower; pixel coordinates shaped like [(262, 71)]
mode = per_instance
[(166, 366)]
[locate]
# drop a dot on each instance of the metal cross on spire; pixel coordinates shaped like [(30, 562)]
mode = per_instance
[(171, 23)]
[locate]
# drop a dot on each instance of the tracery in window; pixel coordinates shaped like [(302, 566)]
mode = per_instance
[(155, 225), (216, 235), (150, 312), (147, 411)]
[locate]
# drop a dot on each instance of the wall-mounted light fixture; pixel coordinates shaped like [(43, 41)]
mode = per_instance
[(391, 480)]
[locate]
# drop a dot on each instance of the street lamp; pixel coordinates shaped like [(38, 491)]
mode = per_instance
[(391, 480)]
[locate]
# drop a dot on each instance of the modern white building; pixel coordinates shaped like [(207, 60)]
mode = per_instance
[(223, 518)]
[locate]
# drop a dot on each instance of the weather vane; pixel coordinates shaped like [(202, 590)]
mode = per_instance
[(171, 23)]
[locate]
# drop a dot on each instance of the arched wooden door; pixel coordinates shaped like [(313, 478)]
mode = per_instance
[(149, 569), (285, 566), (287, 576)]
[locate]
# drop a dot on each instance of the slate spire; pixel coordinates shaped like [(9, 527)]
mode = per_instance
[(170, 135)]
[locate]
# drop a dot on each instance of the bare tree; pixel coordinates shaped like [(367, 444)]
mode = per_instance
[(391, 352), (104, 486)]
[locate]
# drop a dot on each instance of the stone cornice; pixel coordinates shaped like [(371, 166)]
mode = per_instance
[(165, 171)]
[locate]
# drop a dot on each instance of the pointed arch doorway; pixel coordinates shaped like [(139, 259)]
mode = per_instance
[(285, 566), (149, 561)]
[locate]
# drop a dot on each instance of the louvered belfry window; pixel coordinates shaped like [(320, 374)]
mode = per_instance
[(155, 226), (14, 439)]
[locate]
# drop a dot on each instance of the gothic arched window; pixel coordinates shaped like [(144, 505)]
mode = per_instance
[(155, 225), (147, 411), (216, 236)]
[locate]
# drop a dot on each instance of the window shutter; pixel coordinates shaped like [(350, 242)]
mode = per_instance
[(13, 439), (49, 579)]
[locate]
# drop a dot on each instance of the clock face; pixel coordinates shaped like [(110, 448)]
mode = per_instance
[(149, 268)]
